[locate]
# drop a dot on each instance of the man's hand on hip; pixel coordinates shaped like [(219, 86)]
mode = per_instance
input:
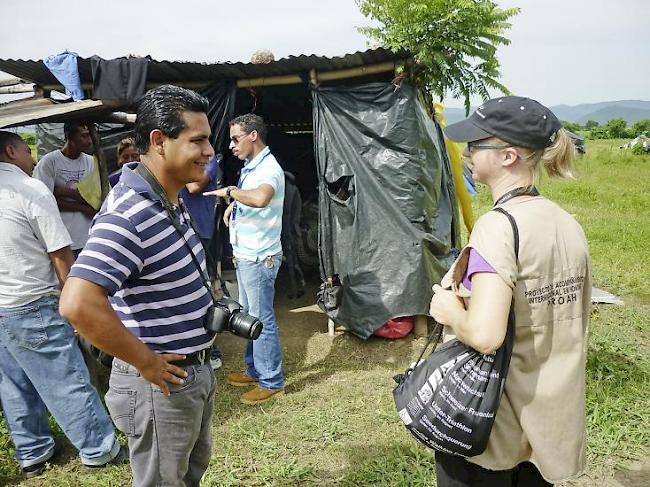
[(158, 370)]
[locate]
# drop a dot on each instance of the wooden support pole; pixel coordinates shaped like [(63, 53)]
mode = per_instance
[(12, 81), (421, 328), (356, 72), (22, 88), (330, 327), (292, 79), (103, 170), (121, 117)]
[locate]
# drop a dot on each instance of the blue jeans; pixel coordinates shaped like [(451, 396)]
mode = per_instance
[(41, 368), (263, 356)]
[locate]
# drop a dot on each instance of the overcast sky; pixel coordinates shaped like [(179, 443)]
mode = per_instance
[(562, 51)]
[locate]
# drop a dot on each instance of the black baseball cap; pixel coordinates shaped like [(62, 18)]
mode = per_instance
[(514, 119)]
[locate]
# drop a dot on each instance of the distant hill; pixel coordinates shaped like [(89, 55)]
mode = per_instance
[(629, 110), (630, 115)]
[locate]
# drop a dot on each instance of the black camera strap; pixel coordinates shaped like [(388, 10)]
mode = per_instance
[(143, 171)]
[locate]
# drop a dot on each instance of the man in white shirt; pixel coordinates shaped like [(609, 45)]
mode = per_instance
[(40, 362), (61, 171)]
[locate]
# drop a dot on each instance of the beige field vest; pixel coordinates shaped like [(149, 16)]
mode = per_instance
[(541, 417)]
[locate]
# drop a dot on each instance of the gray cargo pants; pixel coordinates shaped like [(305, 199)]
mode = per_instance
[(170, 440)]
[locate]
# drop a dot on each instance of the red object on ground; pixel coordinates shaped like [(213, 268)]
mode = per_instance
[(396, 328)]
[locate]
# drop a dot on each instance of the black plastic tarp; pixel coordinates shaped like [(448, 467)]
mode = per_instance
[(221, 96), (388, 218), (122, 79)]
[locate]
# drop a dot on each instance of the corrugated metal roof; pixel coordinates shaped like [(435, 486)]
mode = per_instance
[(177, 71), (39, 110)]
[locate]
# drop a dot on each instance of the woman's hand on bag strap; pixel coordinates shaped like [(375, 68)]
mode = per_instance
[(446, 308), (484, 324)]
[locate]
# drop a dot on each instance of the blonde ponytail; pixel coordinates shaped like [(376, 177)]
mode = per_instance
[(559, 156)]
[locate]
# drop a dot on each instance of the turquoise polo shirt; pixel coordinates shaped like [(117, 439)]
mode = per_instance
[(255, 232)]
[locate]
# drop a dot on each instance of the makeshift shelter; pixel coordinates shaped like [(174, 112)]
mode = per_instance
[(360, 143)]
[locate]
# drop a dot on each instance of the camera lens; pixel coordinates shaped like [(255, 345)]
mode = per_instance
[(245, 325)]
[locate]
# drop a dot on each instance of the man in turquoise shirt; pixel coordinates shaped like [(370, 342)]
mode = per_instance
[(255, 220)]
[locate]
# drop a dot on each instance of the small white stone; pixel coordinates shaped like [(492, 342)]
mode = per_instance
[(522, 107)]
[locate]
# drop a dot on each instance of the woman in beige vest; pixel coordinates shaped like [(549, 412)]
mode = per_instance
[(538, 437)]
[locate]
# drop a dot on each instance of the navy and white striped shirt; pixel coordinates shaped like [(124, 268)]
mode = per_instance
[(136, 254)]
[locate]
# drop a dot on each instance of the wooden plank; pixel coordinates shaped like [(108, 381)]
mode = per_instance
[(421, 328), (12, 81), (330, 327)]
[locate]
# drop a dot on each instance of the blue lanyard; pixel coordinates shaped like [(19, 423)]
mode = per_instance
[(240, 183)]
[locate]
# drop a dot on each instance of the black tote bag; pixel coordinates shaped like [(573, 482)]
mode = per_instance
[(449, 401)]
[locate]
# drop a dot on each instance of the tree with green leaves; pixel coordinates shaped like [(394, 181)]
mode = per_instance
[(30, 139), (617, 128), (453, 42), (591, 124), (641, 127), (598, 133)]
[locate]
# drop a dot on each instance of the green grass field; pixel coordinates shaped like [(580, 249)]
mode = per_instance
[(337, 424)]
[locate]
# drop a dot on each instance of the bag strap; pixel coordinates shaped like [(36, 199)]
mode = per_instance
[(515, 229), (437, 330), (510, 335)]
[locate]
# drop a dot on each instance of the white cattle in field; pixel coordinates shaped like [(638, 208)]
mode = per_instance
[(641, 139)]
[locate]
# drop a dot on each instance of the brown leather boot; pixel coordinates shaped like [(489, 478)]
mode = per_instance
[(258, 395), (240, 379)]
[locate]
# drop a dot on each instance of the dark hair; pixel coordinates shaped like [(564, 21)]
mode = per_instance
[(8, 138), (250, 122), (162, 108), (69, 128)]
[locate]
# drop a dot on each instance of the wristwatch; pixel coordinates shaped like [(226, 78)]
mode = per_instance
[(229, 190)]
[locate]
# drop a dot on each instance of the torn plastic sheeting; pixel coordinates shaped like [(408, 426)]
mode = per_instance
[(388, 219)]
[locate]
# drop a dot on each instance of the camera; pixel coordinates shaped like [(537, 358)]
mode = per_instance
[(227, 315)]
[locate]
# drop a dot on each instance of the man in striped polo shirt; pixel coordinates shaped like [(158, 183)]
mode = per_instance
[(255, 221), (137, 291)]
